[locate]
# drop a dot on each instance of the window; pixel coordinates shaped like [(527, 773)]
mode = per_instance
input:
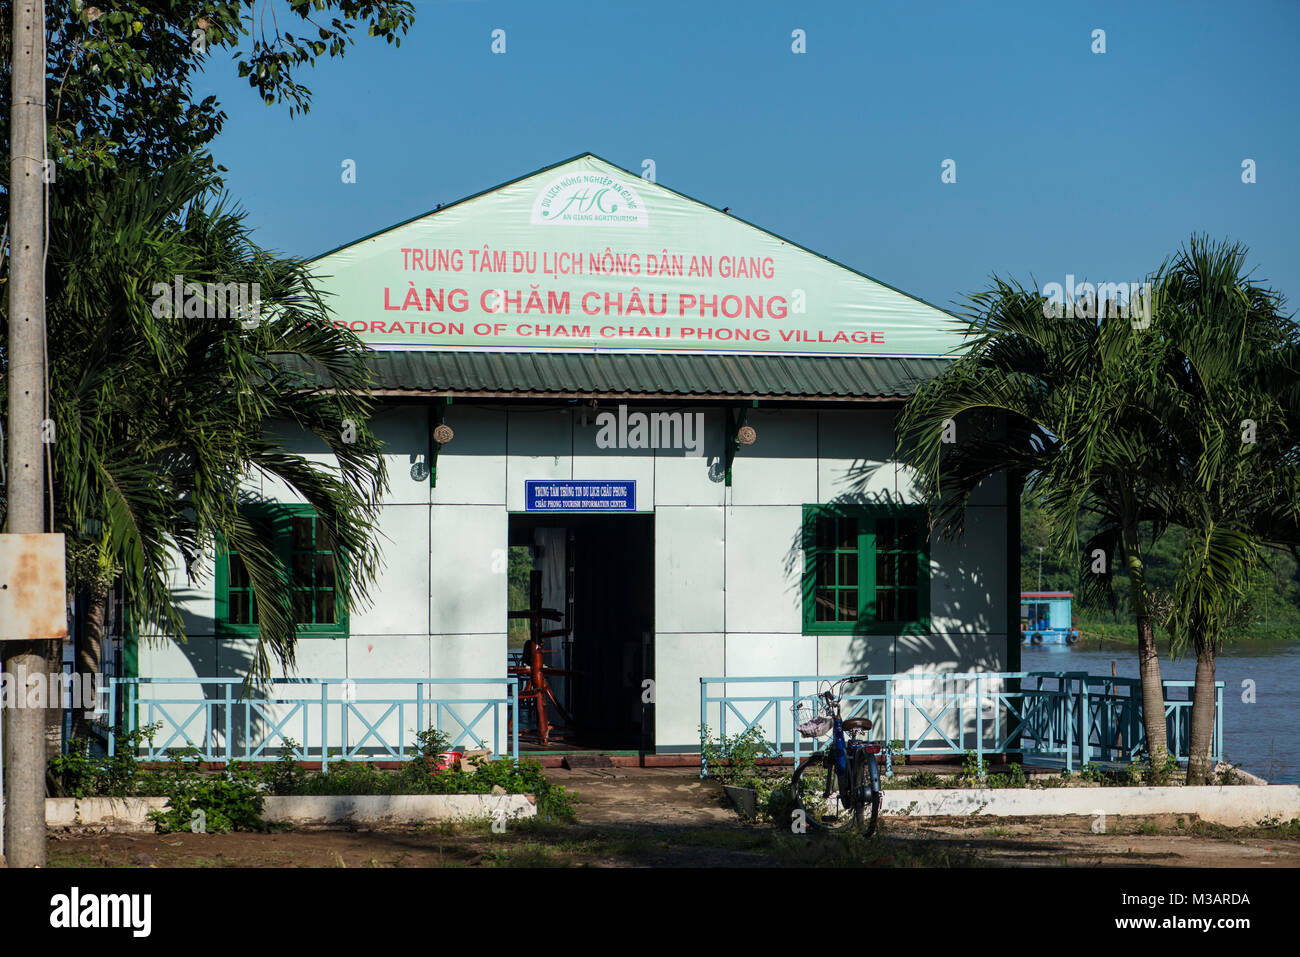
[(866, 570), (313, 579)]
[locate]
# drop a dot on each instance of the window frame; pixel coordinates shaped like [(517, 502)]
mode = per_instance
[(866, 623), (280, 516)]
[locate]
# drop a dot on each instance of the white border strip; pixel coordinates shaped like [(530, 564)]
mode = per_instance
[(1234, 806)]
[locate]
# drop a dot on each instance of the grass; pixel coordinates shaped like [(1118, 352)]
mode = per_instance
[(552, 845), (535, 843), (1269, 828)]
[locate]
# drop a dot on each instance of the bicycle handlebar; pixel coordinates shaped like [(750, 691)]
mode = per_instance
[(837, 687)]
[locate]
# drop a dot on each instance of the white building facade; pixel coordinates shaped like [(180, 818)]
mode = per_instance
[(776, 537)]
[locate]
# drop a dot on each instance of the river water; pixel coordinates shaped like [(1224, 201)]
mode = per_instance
[(1261, 736)]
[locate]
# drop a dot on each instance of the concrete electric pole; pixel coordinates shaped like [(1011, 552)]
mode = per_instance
[(24, 727)]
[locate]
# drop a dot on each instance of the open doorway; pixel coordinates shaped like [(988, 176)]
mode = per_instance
[(581, 588)]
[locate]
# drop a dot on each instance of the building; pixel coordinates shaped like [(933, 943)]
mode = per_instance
[(681, 423)]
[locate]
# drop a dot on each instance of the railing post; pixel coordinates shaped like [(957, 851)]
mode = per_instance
[(112, 716), (1178, 719), (961, 713), (979, 722), (1134, 721), (794, 720), (228, 708), (1085, 750), (889, 728), (343, 716), (704, 720), (324, 728), (907, 723), (1067, 695)]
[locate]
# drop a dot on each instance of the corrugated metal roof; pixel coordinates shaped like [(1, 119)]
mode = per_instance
[(648, 375)]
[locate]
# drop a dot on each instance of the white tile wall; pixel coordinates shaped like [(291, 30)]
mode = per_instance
[(781, 467), (727, 561), (689, 569), (691, 480), (764, 568), (467, 570), (399, 603), (472, 466), (681, 660), (590, 461), (539, 444)]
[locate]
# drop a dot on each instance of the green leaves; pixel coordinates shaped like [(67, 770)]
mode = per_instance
[(1192, 421), (1226, 353), (121, 80), (163, 414)]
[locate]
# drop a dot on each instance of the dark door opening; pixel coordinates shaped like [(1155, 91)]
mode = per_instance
[(603, 588)]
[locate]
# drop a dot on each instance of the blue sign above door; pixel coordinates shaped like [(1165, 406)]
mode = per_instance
[(564, 495)]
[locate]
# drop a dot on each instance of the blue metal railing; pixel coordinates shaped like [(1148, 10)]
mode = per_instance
[(1069, 716), (225, 725)]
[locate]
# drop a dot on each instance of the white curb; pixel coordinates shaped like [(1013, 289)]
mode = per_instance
[(132, 814), (1234, 806)]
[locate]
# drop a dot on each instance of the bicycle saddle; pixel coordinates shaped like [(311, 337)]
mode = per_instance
[(857, 724)]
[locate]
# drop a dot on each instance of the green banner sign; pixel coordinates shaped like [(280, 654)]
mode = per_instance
[(585, 255)]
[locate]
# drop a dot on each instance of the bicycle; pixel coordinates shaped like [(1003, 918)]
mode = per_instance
[(838, 785)]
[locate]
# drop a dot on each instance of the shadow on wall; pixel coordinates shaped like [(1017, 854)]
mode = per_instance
[(964, 634), (198, 713)]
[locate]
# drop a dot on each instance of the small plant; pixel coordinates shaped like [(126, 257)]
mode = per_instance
[(227, 800), (973, 772), (734, 761), (1012, 778), (1229, 776), (897, 753), (285, 776), (921, 779), (421, 775), (431, 742), (1155, 777), (83, 773), (1090, 772)]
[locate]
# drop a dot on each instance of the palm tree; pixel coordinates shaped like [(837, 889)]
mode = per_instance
[(1232, 363), (160, 415), (1063, 402)]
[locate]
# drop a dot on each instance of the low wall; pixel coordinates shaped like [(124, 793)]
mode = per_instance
[(344, 810), (384, 809), (1234, 806), (115, 814)]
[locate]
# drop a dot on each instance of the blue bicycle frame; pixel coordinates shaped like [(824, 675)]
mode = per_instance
[(842, 757)]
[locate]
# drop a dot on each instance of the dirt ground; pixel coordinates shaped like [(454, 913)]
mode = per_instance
[(644, 817)]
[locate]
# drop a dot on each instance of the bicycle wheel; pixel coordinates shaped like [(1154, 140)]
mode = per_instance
[(872, 794), (815, 789)]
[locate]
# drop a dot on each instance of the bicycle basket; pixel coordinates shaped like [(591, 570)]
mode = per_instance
[(809, 723)]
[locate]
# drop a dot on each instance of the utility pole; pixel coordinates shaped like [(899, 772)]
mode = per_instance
[(24, 731)]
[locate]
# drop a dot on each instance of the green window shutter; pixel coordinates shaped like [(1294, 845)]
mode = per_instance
[(866, 570), (314, 581)]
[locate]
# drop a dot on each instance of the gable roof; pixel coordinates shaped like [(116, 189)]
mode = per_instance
[(577, 256)]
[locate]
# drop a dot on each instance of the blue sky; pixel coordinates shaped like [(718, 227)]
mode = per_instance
[(1067, 161)]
